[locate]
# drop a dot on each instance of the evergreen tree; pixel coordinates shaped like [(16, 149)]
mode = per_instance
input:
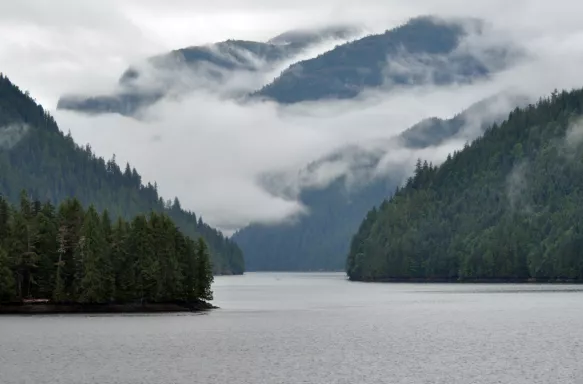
[(95, 283), (204, 273), (107, 266), (70, 220), (6, 278), (22, 247), (4, 219), (79, 257), (47, 165), (506, 207), (48, 251), (145, 266), (122, 262), (60, 291)]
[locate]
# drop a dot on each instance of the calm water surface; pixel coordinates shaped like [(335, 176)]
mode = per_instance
[(314, 328)]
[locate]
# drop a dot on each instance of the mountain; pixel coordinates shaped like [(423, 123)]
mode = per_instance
[(35, 156), (320, 239), (208, 67), (506, 207), (425, 50)]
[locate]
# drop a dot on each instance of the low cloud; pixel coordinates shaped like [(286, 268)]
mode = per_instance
[(517, 188), (574, 135), (11, 134), (212, 152)]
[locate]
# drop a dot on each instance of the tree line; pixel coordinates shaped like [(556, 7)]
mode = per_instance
[(507, 207), (321, 239), (37, 157), (68, 254)]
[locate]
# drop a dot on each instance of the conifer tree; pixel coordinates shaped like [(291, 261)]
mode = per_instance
[(122, 262), (204, 271), (107, 266), (47, 250), (22, 248), (145, 266), (6, 278), (4, 220), (75, 256), (95, 284)]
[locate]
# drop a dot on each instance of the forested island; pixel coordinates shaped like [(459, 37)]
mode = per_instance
[(508, 207), (68, 259)]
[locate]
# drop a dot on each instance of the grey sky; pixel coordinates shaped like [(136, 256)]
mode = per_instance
[(210, 152)]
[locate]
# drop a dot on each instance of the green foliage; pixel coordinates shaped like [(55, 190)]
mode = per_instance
[(78, 256), (93, 254), (6, 277), (204, 275), (506, 207), (51, 167), (320, 239)]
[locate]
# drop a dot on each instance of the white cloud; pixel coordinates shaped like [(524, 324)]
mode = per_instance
[(210, 152)]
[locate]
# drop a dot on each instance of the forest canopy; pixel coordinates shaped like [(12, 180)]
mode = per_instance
[(507, 207), (68, 254), (37, 157)]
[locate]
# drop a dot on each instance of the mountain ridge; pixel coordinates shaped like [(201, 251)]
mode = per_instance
[(424, 50)]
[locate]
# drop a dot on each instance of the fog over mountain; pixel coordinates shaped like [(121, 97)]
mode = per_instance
[(230, 68), (203, 137)]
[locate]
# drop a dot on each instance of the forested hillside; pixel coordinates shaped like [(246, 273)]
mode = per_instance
[(35, 156), (508, 206), (317, 241), (320, 239), (72, 255), (425, 50)]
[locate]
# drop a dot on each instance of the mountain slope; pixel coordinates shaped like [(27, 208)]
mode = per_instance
[(425, 50), (207, 67), (37, 157), (508, 206), (320, 239)]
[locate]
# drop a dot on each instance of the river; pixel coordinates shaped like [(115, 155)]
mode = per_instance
[(281, 328)]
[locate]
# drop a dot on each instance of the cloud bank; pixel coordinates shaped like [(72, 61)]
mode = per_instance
[(210, 151)]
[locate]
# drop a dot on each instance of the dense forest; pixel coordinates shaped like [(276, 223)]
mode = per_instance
[(320, 239), (72, 255), (506, 207), (35, 156), (425, 50)]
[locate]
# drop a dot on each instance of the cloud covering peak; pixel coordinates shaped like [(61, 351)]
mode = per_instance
[(212, 151)]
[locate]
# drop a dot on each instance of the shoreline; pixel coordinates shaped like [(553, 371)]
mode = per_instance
[(469, 281), (80, 308)]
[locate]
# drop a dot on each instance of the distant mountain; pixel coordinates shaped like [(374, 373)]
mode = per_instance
[(508, 207), (425, 50), (208, 67), (35, 156), (319, 240)]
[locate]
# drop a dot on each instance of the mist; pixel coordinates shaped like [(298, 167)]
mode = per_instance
[(212, 151)]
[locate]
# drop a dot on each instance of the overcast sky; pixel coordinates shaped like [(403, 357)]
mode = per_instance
[(209, 152)]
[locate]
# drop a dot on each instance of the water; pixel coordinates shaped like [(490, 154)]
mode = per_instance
[(314, 328)]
